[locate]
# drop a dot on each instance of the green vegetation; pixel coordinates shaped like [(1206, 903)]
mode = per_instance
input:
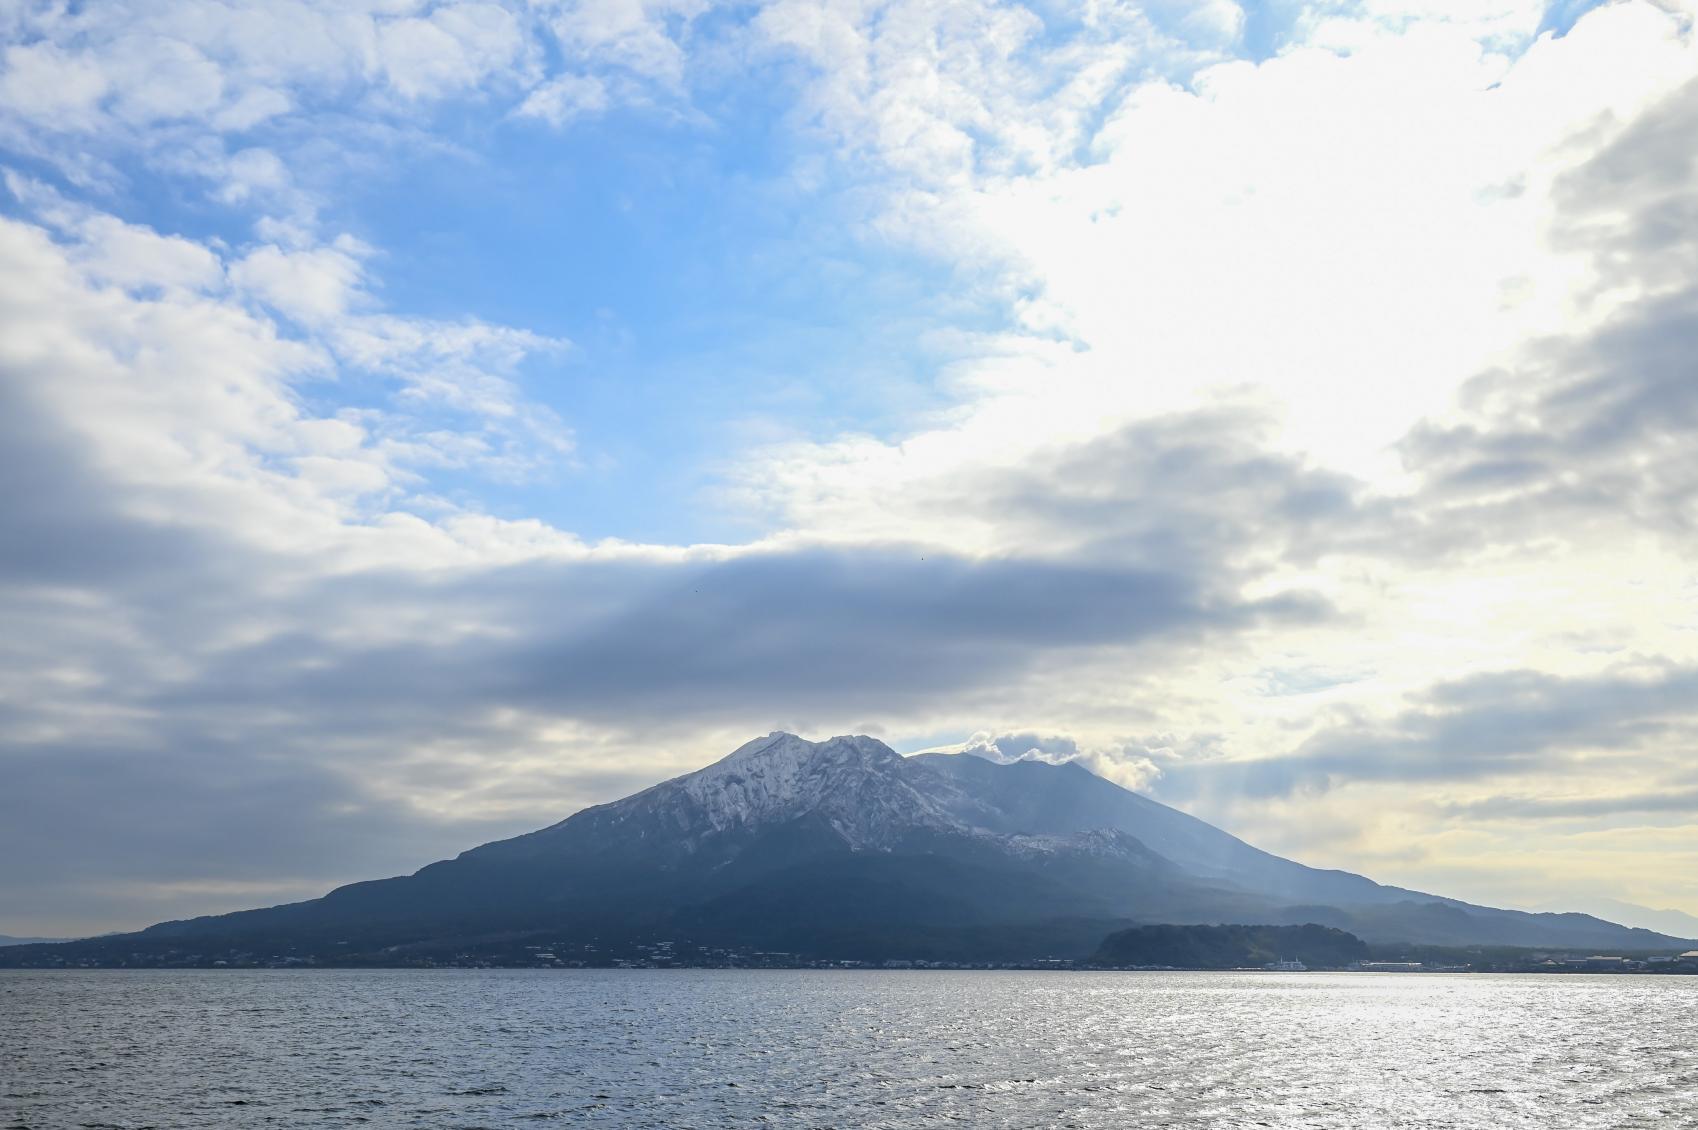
[(1230, 947)]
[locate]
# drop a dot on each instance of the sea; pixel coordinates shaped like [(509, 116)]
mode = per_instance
[(849, 1048)]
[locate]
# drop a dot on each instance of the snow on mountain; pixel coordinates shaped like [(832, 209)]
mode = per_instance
[(856, 783), (872, 797)]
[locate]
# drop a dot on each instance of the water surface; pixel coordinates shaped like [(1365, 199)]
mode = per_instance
[(466, 1048)]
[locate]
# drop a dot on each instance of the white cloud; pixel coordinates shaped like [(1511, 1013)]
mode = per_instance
[(128, 256), (45, 83), (313, 286), (1205, 22), (456, 47), (250, 108), (1354, 25), (220, 311), (462, 365), (156, 79), (642, 37), (254, 175), (565, 98), (176, 83)]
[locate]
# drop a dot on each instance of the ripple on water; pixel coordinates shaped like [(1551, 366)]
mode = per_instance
[(706, 1049)]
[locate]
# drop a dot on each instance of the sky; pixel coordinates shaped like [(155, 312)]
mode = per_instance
[(421, 420)]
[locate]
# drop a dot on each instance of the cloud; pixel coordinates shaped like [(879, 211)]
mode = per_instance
[(1016, 747), (232, 65), (455, 47), (222, 824), (1203, 487), (1352, 26), (1176, 492), (314, 286), (1677, 802), (1483, 726), (1279, 238), (45, 83), (565, 98), (193, 90), (1588, 432), (387, 665), (642, 39), (453, 398)]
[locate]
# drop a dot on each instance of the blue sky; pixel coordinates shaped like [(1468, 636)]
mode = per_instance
[(444, 415), (708, 293), (702, 295), (707, 300)]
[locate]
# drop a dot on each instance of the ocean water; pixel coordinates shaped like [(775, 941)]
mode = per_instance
[(465, 1048)]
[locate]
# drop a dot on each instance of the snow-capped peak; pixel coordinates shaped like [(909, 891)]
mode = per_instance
[(782, 775), (855, 783), (871, 797), (784, 753)]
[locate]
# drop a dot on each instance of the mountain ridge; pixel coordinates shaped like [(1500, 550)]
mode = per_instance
[(845, 847)]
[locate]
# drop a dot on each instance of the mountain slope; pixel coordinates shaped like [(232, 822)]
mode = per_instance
[(1675, 922), (1035, 796), (1040, 797), (845, 848)]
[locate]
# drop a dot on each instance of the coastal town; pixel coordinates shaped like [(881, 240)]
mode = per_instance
[(669, 954)]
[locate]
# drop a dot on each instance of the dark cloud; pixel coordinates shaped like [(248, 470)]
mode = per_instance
[(1594, 432), (1478, 727), (1200, 489), (1590, 432), (91, 836), (1634, 205), (813, 629), (60, 523), (1678, 802)]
